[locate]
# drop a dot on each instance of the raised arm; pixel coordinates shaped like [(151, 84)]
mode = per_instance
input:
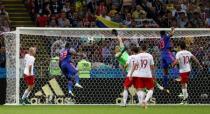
[(114, 32), (172, 31)]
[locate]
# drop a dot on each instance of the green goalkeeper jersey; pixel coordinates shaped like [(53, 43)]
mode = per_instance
[(122, 58)]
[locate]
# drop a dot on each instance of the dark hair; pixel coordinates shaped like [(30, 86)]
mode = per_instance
[(182, 45), (67, 45), (143, 47), (162, 33), (135, 49)]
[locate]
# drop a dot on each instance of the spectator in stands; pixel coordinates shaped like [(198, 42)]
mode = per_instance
[(106, 16), (5, 27), (63, 21), (182, 20), (208, 20), (42, 20), (136, 13), (3, 11), (101, 9), (128, 20), (55, 6), (196, 20), (117, 18), (113, 11), (47, 10), (53, 23)]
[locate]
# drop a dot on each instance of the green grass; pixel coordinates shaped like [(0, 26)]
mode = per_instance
[(104, 110)]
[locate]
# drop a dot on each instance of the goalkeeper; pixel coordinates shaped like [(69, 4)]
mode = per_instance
[(120, 51)]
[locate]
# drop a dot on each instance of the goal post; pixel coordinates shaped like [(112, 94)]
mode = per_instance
[(103, 82)]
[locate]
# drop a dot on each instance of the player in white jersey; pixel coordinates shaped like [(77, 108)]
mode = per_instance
[(183, 58), (128, 82), (29, 77), (144, 71)]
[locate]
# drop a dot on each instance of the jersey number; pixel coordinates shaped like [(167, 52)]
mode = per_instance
[(162, 44), (186, 59), (143, 64), (63, 55)]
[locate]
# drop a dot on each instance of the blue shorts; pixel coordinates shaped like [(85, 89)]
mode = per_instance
[(68, 69), (167, 60)]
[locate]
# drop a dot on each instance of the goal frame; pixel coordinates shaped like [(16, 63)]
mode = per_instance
[(20, 29)]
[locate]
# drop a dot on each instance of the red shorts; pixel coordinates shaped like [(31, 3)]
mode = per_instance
[(184, 77), (146, 82), (128, 83), (29, 80)]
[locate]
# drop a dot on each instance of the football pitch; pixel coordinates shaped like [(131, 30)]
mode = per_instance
[(55, 109)]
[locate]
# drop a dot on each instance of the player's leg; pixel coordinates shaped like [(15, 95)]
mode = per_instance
[(126, 85), (74, 72), (30, 82), (165, 67), (149, 84), (65, 70), (184, 80), (141, 92)]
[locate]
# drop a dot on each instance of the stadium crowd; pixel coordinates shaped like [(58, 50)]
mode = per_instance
[(132, 13), (4, 19)]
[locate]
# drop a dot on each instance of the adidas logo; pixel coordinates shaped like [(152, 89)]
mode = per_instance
[(52, 93)]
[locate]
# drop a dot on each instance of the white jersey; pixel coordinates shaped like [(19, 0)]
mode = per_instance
[(131, 61), (183, 58), (29, 60), (143, 60)]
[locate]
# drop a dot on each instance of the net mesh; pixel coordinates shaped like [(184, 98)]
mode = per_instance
[(104, 85)]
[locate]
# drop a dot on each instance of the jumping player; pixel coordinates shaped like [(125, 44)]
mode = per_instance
[(167, 57), (120, 51), (68, 68), (183, 58), (29, 77), (144, 71)]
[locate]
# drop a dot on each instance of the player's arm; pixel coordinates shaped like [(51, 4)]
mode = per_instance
[(114, 32), (171, 33), (176, 61), (152, 67), (73, 52), (197, 61)]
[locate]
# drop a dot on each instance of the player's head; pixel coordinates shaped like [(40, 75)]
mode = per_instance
[(32, 51), (67, 45), (117, 49), (182, 45), (162, 33), (143, 47), (134, 50)]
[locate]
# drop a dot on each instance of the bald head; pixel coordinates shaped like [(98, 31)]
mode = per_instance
[(32, 51)]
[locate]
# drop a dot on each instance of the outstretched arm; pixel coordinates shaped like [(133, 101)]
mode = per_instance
[(172, 31), (115, 32), (197, 61), (73, 52)]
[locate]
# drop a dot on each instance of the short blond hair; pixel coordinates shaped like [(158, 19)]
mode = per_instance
[(32, 50)]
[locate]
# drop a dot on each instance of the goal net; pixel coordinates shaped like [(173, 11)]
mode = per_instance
[(103, 80)]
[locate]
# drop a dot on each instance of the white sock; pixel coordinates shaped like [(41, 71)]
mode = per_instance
[(125, 96), (141, 96), (185, 94), (28, 94), (25, 94), (148, 96)]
